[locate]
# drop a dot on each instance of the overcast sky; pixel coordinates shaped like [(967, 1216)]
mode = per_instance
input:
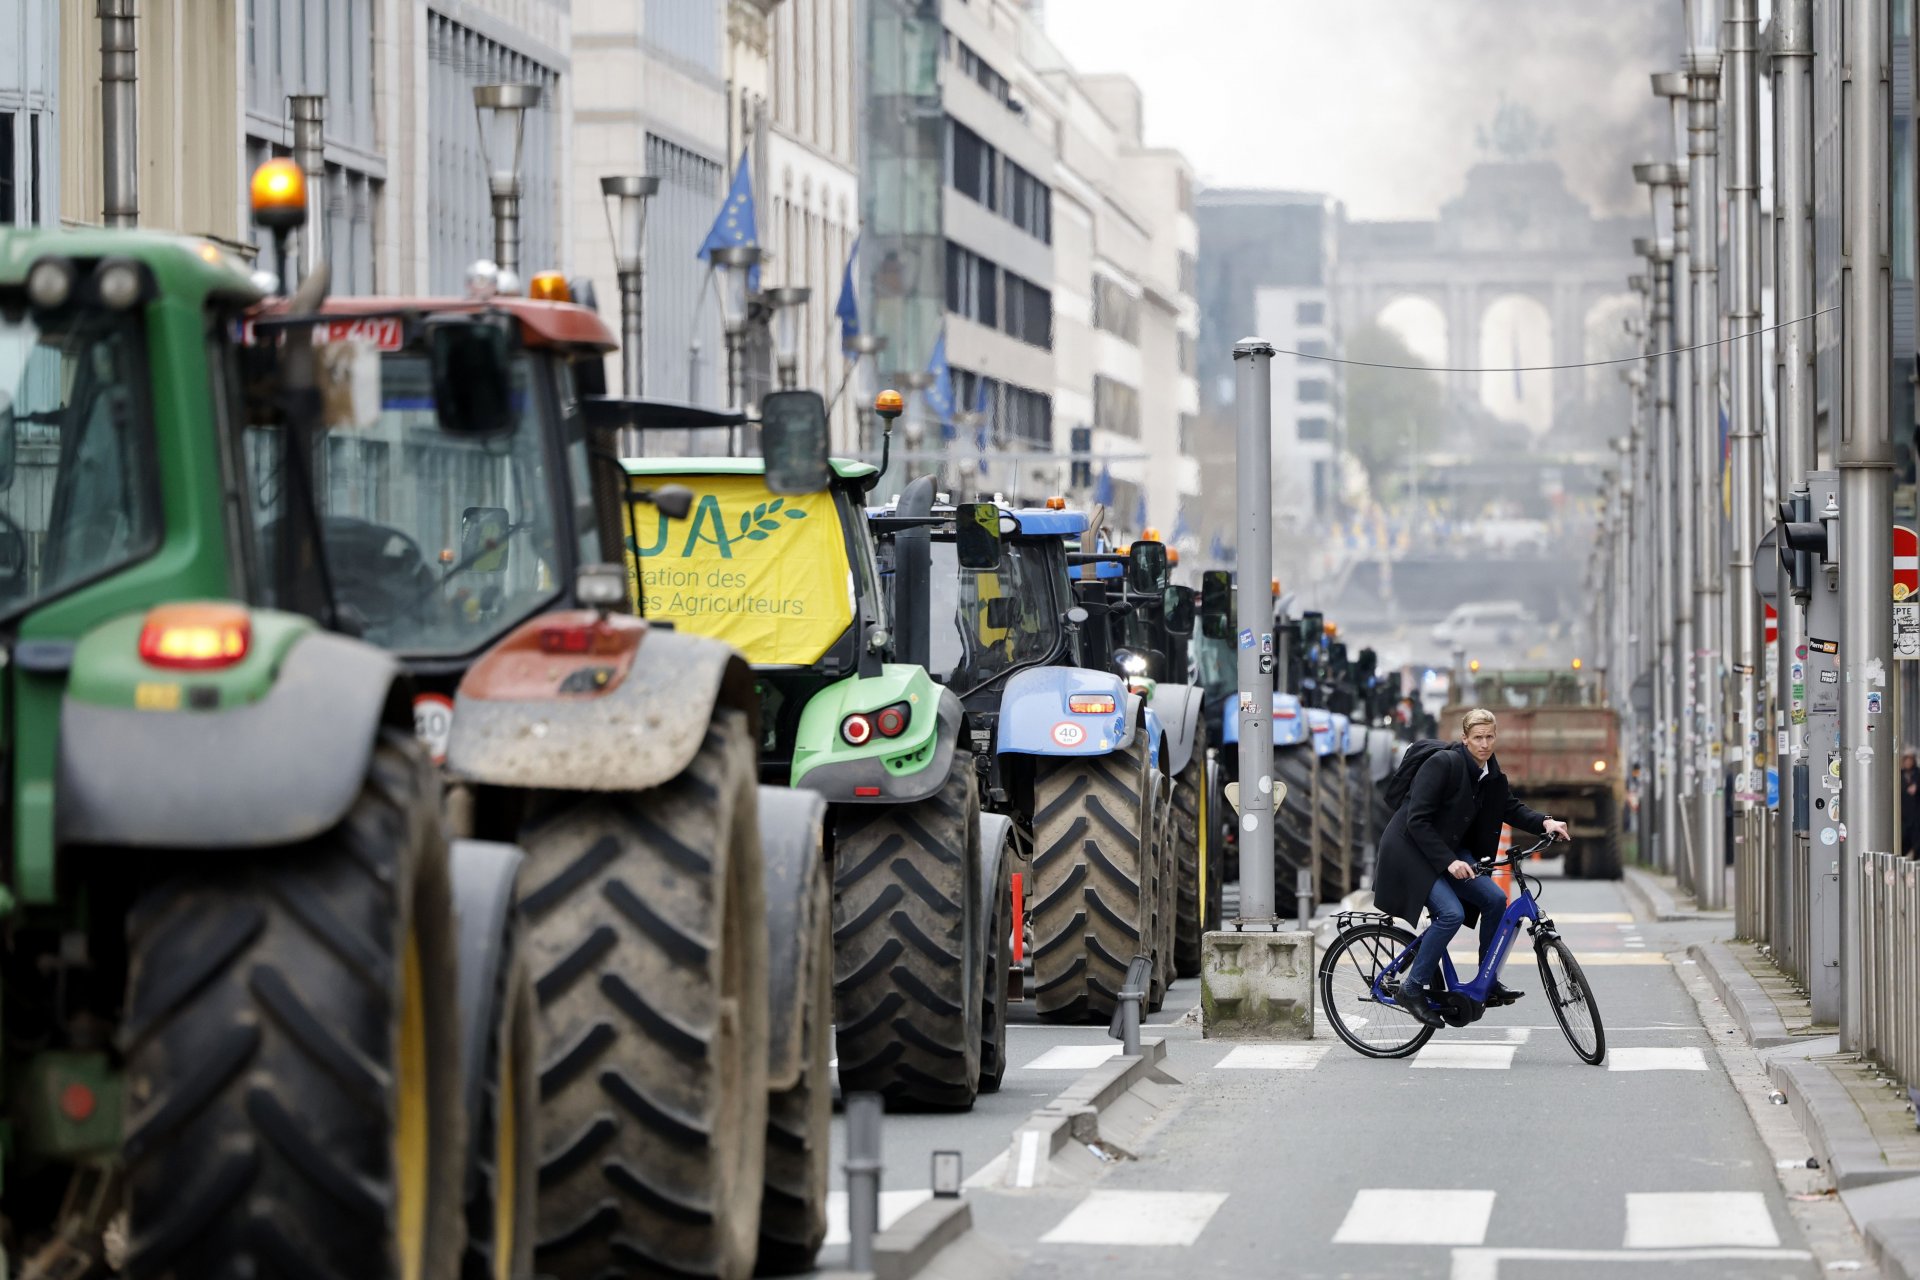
[(1378, 101)]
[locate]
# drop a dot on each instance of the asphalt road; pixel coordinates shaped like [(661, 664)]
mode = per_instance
[(1494, 1155)]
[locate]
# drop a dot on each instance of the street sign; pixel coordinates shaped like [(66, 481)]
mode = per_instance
[(1773, 625), (1906, 562)]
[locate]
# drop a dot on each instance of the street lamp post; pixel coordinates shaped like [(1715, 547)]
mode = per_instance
[(502, 112), (736, 263), (624, 200), (1709, 605), (309, 112), (1673, 499), (788, 304)]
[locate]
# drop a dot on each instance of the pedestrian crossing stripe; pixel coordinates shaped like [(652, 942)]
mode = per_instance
[(1166, 1219)]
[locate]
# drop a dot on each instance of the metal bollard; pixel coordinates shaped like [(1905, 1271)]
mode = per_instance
[(1125, 1025), (1303, 898), (863, 1177)]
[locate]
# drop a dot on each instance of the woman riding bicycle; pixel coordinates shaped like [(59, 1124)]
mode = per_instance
[(1451, 818)]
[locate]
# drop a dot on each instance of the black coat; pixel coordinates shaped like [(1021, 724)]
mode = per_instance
[(1445, 817)]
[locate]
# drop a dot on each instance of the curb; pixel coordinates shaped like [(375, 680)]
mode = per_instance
[(1092, 1123), (907, 1247), (1743, 996), (1650, 897), (1833, 1124)]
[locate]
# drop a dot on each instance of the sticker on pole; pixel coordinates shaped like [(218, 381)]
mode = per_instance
[(433, 723), (1246, 637), (1069, 734), (1906, 630)]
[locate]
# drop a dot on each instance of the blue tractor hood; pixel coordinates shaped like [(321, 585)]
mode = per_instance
[(1289, 728)]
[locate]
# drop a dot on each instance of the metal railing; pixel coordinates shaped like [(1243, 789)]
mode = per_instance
[(1889, 889)]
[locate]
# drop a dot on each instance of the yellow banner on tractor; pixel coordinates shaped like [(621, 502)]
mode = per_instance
[(766, 573)]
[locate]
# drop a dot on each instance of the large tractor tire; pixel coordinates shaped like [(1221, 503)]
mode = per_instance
[(906, 945), (1331, 801), (502, 1191), (1094, 880), (647, 923), (1197, 844), (1600, 854), (993, 996), (793, 1203), (293, 1053), (1361, 834), (1293, 825)]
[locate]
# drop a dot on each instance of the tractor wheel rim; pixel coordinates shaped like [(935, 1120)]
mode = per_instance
[(410, 1120)]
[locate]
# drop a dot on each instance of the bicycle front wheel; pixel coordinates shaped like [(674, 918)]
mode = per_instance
[(1360, 963), (1572, 1000)]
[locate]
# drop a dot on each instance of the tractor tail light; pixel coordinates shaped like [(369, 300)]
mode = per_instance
[(857, 730), (892, 721), (1286, 713), (1091, 704), (195, 637)]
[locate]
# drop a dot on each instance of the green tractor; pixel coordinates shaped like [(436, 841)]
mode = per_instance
[(236, 940), (921, 905)]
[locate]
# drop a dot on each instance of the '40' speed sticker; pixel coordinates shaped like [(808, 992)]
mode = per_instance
[(1069, 734)]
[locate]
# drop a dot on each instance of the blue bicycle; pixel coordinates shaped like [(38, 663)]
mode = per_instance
[(1360, 977)]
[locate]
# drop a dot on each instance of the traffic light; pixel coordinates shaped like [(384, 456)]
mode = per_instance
[(1801, 539)]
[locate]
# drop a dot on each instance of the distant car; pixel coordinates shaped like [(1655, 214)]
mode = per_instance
[(1485, 622)]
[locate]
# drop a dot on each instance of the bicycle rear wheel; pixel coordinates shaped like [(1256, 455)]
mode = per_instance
[(1572, 1000), (1349, 974)]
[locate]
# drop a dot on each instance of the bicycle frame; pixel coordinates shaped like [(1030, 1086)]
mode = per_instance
[(1521, 910)]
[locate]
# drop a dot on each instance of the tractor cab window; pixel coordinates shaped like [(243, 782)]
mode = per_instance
[(1216, 666), (77, 494), (435, 544), (987, 622)]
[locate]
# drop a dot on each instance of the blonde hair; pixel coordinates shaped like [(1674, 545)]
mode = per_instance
[(1474, 719)]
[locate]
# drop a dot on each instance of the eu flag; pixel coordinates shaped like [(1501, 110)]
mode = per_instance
[(847, 310), (735, 224), (939, 396)]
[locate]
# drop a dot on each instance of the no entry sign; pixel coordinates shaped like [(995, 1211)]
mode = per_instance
[(1906, 562)]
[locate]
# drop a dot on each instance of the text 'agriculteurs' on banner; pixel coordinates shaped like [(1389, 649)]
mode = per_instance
[(766, 573)]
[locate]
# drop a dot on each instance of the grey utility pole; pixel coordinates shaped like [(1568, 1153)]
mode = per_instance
[(1794, 350), (1253, 398), (120, 150), (1669, 511), (310, 153), (1709, 622), (1748, 749), (1864, 452)]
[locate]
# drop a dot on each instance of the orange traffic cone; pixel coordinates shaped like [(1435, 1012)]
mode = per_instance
[(1503, 876)]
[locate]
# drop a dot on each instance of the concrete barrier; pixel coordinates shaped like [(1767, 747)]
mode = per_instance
[(1099, 1119), (1257, 986)]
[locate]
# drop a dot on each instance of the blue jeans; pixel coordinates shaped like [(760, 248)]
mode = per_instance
[(1444, 904)]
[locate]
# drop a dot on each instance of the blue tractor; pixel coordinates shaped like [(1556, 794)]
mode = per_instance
[(1077, 746)]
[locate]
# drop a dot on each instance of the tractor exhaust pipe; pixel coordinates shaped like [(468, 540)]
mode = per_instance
[(120, 144)]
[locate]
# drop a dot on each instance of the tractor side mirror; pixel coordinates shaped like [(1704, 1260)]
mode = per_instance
[(1147, 568), (1177, 604), (793, 440), (7, 436), (673, 501), (999, 613), (483, 539), (976, 527), (471, 359), (1216, 603)]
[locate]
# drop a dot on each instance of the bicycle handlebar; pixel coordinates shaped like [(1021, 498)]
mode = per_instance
[(1516, 856)]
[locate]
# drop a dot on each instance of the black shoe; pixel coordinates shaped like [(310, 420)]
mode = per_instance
[(1502, 996), (1414, 1000)]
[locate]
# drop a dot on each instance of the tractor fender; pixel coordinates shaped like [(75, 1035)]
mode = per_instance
[(1138, 712), (793, 855), (515, 726), (996, 856), (1179, 707), (1289, 723), (1035, 718), (879, 771), (485, 875), (1380, 754), (275, 770)]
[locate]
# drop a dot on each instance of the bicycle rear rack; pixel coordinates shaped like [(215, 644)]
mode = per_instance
[(1345, 920)]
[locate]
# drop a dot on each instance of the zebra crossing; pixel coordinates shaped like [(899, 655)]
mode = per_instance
[(1651, 1225), (1489, 1049)]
